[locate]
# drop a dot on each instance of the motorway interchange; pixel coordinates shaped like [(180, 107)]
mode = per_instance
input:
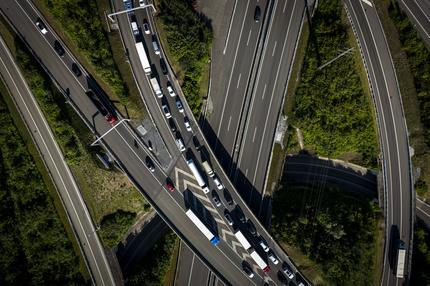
[(196, 187)]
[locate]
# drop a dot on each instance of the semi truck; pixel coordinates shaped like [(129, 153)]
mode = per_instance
[(198, 176), (260, 262), (242, 239), (213, 238), (156, 87), (401, 255), (143, 57)]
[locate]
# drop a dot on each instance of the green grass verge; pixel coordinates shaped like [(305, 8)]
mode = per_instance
[(36, 239), (169, 277)]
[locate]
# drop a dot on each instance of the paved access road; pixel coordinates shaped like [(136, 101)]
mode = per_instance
[(399, 193), (43, 137), (123, 143), (419, 12)]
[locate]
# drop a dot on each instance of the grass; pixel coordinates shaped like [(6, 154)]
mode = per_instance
[(169, 278), (104, 191), (34, 152)]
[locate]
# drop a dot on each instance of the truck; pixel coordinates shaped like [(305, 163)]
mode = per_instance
[(143, 57), (213, 238), (156, 87), (242, 239), (401, 255), (260, 262), (198, 176), (208, 169)]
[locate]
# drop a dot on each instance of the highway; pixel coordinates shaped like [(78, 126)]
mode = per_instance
[(78, 215), (419, 12), (399, 193), (261, 54), (124, 145)]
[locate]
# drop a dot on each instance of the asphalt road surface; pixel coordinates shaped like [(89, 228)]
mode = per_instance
[(399, 193), (124, 145), (43, 137), (419, 12)]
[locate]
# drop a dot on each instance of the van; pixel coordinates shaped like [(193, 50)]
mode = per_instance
[(180, 144), (155, 46), (208, 169), (135, 28)]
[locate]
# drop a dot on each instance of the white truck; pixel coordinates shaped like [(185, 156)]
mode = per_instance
[(198, 176), (260, 262), (242, 239), (208, 169), (401, 255), (143, 57), (156, 87), (213, 238)]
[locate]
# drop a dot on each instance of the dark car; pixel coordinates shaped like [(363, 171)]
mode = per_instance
[(228, 197), (59, 48), (196, 143), (163, 66), (257, 14), (149, 164), (172, 125), (251, 228), (76, 69)]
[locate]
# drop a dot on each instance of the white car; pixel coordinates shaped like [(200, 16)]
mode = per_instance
[(41, 26), (218, 183), (142, 3), (180, 144), (146, 28), (273, 258), (171, 91), (166, 111), (263, 245), (187, 124), (288, 272), (179, 105)]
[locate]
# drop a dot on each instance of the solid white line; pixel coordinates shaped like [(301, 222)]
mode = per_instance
[(228, 126), (238, 81), (191, 270), (249, 36), (274, 48), (264, 91), (255, 131), (422, 210), (285, 6), (229, 27), (413, 15)]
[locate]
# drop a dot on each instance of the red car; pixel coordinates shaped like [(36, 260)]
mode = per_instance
[(170, 187)]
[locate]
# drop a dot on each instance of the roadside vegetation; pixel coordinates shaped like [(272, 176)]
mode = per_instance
[(153, 270), (331, 108), (420, 275), (114, 226), (105, 191), (187, 40), (35, 247), (412, 60), (335, 229)]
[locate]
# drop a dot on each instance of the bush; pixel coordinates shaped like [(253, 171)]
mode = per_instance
[(33, 242), (421, 259), (330, 106), (114, 226), (189, 39), (334, 229)]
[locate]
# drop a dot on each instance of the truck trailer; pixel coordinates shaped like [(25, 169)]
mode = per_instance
[(198, 176), (213, 238), (143, 57)]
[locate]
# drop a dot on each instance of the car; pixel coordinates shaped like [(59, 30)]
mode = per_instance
[(216, 199), (76, 70), (228, 218), (155, 45), (166, 111), (179, 105), (142, 3), (59, 48), (163, 66), (196, 143), (228, 197), (180, 144), (41, 26), (171, 91), (263, 245), (273, 258), (146, 28), (251, 228), (128, 4), (172, 125), (187, 124), (170, 187), (149, 164), (248, 271), (240, 215), (218, 183), (287, 270), (257, 14)]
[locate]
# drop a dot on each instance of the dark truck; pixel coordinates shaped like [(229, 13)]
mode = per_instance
[(102, 108)]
